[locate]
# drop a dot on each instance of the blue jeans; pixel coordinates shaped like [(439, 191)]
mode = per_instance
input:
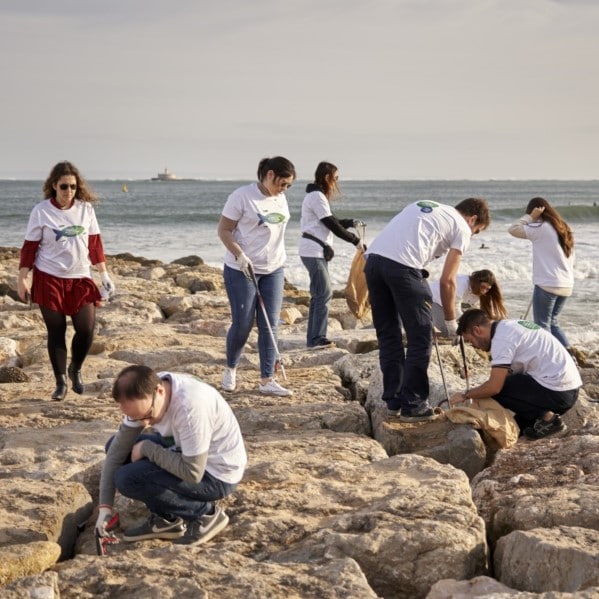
[(320, 296), (546, 308), (163, 493), (529, 400), (400, 296), (245, 307)]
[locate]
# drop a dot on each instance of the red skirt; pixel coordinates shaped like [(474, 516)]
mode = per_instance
[(67, 296)]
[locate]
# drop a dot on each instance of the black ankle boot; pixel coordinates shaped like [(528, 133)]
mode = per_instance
[(76, 380), (61, 387)]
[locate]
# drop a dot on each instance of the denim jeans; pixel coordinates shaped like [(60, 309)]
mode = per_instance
[(320, 296), (245, 307), (546, 308), (529, 400), (163, 493), (400, 296)]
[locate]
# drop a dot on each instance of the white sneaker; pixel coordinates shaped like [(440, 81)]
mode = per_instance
[(273, 388), (229, 377)]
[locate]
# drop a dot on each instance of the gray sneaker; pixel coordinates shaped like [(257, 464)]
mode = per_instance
[(205, 528), (156, 527)]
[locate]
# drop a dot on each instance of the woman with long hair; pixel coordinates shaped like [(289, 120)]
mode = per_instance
[(478, 289), (552, 262), (62, 243), (318, 226), (252, 229)]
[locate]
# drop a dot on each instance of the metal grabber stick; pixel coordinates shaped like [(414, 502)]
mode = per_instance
[(466, 371), (446, 400), (279, 359)]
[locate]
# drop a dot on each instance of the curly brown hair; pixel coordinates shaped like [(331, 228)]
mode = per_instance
[(552, 216), (61, 169)]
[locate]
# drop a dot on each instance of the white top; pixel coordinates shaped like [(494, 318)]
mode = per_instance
[(550, 267), (260, 230), (528, 349), (314, 208), (201, 422), (463, 293), (64, 238), (420, 233)]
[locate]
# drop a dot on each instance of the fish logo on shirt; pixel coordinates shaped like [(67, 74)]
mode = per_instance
[(426, 206), (71, 231), (274, 218)]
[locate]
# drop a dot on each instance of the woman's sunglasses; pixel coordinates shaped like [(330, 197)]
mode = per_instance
[(65, 186)]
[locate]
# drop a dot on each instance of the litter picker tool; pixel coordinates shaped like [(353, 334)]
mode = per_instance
[(279, 359), (525, 315), (446, 400), (466, 371), (102, 542)]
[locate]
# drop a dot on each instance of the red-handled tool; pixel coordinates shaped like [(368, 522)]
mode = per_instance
[(102, 542)]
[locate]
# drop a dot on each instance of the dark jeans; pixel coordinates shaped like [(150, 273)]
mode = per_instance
[(529, 400), (163, 493), (400, 296)]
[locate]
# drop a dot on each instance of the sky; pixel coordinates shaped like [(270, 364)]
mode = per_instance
[(385, 89)]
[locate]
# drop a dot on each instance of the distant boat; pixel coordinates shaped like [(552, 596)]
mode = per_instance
[(125, 188), (165, 176)]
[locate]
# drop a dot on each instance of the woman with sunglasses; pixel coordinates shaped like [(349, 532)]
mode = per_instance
[(252, 229), (62, 243)]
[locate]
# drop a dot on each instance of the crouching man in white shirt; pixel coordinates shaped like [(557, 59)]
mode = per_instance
[(532, 373), (193, 456)]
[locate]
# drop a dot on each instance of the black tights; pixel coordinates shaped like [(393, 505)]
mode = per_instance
[(56, 323)]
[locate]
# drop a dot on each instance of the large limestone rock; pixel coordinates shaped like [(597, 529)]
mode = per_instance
[(17, 561), (42, 511), (564, 558), (541, 484)]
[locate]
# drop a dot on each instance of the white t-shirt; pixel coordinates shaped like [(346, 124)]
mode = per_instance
[(260, 230), (314, 208), (201, 421), (64, 238), (550, 267), (463, 293), (529, 349), (422, 232)]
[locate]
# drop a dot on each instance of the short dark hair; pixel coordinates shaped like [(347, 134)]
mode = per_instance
[(134, 382), (470, 319), (476, 207)]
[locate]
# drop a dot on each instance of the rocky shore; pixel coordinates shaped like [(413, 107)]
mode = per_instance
[(338, 500)]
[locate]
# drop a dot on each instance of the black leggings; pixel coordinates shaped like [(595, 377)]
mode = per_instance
[(56, 323)]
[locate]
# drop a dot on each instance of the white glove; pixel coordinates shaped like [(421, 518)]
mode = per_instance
[(245, 265), (452, 327), (359, 223), (107, 284), (104, 515)]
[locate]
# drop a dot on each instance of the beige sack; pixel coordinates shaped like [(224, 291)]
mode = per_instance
[(356, 291)]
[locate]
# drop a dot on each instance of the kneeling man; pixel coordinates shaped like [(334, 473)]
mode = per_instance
[(532, 373)]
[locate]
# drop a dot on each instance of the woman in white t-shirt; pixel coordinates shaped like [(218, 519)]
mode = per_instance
[(552, 262), (478, 289), (318, 225), (252, 229), (62, 243)]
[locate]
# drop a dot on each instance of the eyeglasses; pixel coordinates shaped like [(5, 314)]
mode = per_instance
[(65, 186), (148, 415)]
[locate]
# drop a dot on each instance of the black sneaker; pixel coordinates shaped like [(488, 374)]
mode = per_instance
[(544, 428), (323, 344), (205, 528), (156, 527), (417, 414)]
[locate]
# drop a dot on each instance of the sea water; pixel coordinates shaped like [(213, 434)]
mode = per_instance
[(169, 220)]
